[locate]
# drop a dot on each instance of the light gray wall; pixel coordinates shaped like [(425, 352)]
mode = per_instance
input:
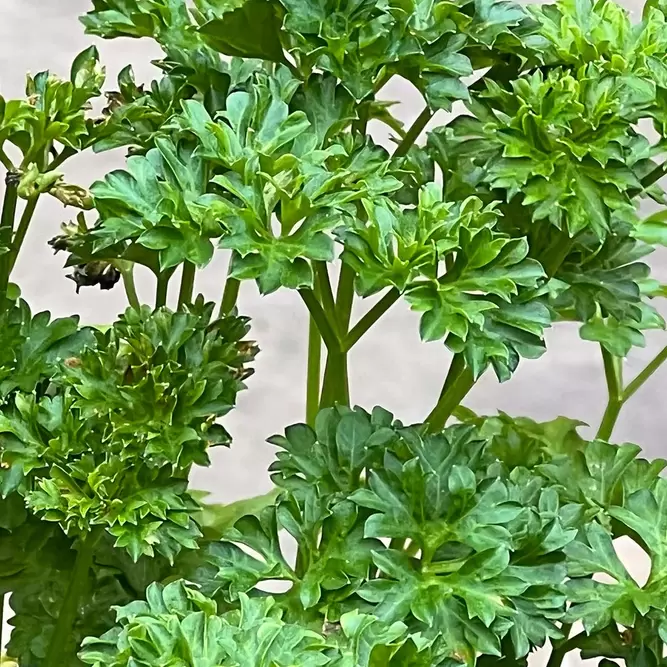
[(390, 366)]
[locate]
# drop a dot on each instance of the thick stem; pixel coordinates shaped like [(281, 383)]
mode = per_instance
[(644, 375), (556, 254), (609, 419), (7, 228), (321, 320), (413, 133), (22, 230), (62, 632), (371, 317), (335, 386), (456, 367), (613, 377), (454, 391), (563, 647), (161, 289), (314, 370), (127, 272), (230, 296), (187, 284)]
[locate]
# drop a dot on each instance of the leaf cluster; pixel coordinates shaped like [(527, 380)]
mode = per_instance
[(110, 441), (484, 540)]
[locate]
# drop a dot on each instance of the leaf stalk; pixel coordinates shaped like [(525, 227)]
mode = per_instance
[(413, 133), (62, 632), (371, 317), (460, 380), (127, 273)]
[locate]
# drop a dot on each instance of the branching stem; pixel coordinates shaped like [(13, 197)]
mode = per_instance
[(320, 318), (371, 317), (618, 396), (614, 379), (562, 648), (644, 375)]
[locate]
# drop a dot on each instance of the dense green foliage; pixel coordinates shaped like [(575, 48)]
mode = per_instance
[(462, 540)]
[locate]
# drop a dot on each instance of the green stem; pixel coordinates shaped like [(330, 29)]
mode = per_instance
[(413, 133), (187, 284), (557, 253), (127, 272), (654, 176), (62, 632), (22, 230), (644, 375), (381, 82), (456, 367), (6, 162), (326, 294), (613, 377), (7, 228), (345, 298), (327, 332), (230, 295), (161, 290), (314, 370), (371, 317), (64, 154), (454, 391), (562, 648), (335, 386)]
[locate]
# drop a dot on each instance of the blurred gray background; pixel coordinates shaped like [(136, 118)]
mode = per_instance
[(389, 367)]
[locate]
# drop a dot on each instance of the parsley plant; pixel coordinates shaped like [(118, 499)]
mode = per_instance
[(462, 540)]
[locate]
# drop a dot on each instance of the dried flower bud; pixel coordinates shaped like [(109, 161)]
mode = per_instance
[(103, 274), (72, 195), (70, 230), (114, 101)]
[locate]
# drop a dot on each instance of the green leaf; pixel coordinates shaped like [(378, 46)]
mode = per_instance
[(592, 475), (251, 30), (328, 106), (652, 229), (642, 513), (595, 603), (615, 337), (217, 518)]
